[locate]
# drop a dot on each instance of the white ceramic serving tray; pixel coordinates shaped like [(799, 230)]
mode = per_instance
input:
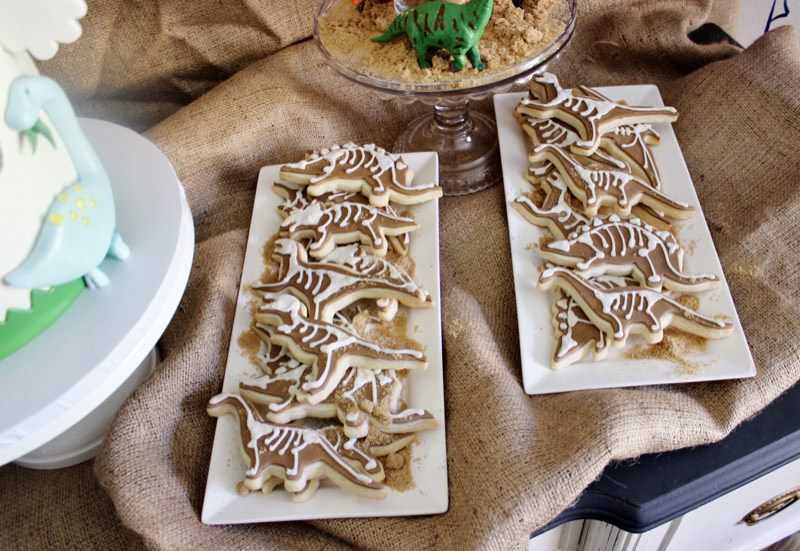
[(425, 388), (722, 359)]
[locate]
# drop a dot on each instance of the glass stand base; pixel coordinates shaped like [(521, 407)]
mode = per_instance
[(469, 156)]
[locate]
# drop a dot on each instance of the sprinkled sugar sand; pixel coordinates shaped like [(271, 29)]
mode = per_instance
[(512, 35)]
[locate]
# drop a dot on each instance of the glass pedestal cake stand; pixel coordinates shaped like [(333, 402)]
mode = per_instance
[(465, 140)]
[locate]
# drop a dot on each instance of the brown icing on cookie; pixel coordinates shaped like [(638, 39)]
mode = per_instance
[(326, 287), (555, 212), (631, 144), (371, 170), (331, 224), (364, 398), (622, 311), (576, 335), (298, 455), (586, 111), (614, 246), (596, 187), (329, 349)]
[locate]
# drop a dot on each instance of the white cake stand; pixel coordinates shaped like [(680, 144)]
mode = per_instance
[(72, 378)]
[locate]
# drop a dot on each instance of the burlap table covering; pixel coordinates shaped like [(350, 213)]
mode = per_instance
[(235, 86)]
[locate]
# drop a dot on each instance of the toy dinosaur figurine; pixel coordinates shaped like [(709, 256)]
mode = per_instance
[(457, 28)]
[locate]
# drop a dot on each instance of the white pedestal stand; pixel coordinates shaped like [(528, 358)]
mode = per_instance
[(61, 391)]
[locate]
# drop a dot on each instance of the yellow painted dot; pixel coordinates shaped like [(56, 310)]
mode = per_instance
[(56, 219), (78, 188), (85, 221), (80, 203), (92, 203), (62, 197), (73, 216)]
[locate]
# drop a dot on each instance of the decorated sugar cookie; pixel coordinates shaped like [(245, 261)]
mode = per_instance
[(576, 335), (589, 113), (331, 224), (624, 311), (325, 288), (614, 246), (554, 132), (298, 457), (618, 189), (364, 398), (632, 145), (329, 349), (555, 213), (369, 169)]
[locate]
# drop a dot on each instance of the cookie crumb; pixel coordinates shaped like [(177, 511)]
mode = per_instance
[(513, 35), (394, 461)]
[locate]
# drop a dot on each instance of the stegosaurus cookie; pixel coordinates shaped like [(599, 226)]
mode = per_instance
[(380, 176)]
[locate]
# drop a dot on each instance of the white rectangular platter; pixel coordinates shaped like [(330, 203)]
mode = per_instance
[(424, 388), (722, 359)]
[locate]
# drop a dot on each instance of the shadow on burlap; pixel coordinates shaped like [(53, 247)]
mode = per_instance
[(239, 89)]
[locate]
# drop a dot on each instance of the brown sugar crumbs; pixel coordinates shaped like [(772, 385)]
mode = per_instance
[(512, 35)]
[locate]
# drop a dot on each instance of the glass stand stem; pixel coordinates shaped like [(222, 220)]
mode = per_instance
[(466, 142)]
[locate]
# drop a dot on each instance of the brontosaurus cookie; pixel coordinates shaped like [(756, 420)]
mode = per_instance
[(298, 457), (329, 349), (325, 288), (586, 111), (371, 170), (613, 246), (334, 223), (598, 187), (623, 311)]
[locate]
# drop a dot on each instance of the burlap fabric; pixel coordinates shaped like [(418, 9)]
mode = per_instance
[(240, 88)]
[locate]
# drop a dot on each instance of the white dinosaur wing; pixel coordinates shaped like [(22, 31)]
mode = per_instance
[(38, 26)]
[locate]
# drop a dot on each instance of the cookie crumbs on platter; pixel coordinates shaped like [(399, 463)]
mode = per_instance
[(399, 478), (249, 343), (512, 35), (675, 347)]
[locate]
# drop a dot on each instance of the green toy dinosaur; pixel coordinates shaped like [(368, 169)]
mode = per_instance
[(456, 28)]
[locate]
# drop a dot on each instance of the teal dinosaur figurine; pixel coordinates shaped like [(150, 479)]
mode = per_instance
[(457, 28), (79, 229)]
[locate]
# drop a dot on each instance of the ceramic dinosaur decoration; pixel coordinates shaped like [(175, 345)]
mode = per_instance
[(457, 28)]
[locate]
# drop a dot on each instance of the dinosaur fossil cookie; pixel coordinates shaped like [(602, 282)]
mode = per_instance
[(298, 457), (614, 246), (329, 349), (576, 336), (586, 111), (364, 398), (371, 170), (331, 224), (598, 187), (623, 311), (325, 288)]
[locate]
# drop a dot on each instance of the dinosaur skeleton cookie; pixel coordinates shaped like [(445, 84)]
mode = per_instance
[(623, 311), (295, 199), (614, 246), (325, 288), (555, 213), (298, 457), (576, 335), (364, 398), (329, 349), (597, 187), (371, 170), (588, 112), (331, 224)]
